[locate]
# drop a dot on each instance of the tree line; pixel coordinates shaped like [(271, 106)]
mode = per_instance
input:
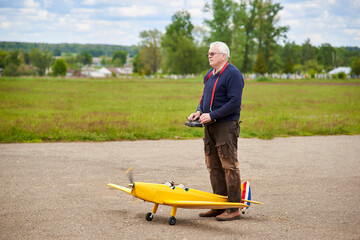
[(95, 50), (250, 28), (37, 62)]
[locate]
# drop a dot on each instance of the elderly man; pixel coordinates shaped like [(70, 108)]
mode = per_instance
[(219, 110)]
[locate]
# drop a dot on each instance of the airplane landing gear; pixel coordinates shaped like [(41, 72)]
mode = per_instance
[(172, 221), (149, 216)]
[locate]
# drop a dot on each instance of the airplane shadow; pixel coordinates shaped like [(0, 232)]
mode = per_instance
[(206, 225), (195, 223)]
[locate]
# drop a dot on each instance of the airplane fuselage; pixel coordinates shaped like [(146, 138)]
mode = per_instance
[(156, 193)]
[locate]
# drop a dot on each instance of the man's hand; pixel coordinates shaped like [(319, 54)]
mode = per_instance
[(194, 116), (205, 118)]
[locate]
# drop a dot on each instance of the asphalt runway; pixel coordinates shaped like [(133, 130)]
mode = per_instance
[(310, 187)]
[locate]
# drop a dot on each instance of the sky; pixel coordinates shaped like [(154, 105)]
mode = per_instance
[(119, 22)]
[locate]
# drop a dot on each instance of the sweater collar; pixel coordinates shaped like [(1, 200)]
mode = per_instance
[(218, 70)]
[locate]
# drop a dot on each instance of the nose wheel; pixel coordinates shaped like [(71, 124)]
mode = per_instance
[(149, 216)]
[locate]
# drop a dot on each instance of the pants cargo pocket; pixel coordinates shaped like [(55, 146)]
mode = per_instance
[(224, 150), (227, 157)]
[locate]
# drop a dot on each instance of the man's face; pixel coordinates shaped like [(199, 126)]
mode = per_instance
[(216, 59)]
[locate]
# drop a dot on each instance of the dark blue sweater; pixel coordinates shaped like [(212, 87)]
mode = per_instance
[(227, 98)]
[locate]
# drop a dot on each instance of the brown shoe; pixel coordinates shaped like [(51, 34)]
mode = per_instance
[(229, 216), (212, 213)]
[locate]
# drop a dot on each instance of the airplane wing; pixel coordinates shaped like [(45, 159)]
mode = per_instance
[(125, 189), (204, 204)]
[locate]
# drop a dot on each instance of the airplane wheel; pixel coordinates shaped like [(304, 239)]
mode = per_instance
[(149, 216), (172, 221)]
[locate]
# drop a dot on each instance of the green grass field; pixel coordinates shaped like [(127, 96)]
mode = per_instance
[(59, 109)]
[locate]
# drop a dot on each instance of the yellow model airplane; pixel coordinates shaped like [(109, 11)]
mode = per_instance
[(181, 197)]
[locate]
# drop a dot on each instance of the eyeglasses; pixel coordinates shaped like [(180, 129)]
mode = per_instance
[(212, 53)]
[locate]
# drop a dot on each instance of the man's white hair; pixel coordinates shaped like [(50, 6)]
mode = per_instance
[(223, 48)]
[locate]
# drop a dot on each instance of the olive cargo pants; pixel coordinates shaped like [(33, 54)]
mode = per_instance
[(220, 145)]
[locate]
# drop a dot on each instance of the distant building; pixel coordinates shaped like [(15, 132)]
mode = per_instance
[(96, 61), (87, 70), (126, 69), (105, 71), (346, 70), (70, 72), (114, 71)]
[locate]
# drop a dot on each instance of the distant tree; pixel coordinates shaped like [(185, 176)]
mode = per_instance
[(147, 70), (27, 70), (85, 58), (117, 62), (181, 53), (59, 67), (260, 64), (341, 75), (313, 66), (289, 65), (308, 51), (268, 31), (220, 24), (57, 52), (150, 49), (249, 25), (27, 58), (41, 60), (326, 56), (135, 62), (350, 55), (3, 58), (70, 58), (121, 55), (14, 58), (254, 29), (11, 70), (142, 60), (290, 49), (103, 61), (238, 38), (340, 58), (355, 67), (276, 63), (96, 52)]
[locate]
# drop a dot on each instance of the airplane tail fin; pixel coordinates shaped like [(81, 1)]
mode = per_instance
[(246, 193)]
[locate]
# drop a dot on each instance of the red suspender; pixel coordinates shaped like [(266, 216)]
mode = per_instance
[(213, 91), (207, 78)]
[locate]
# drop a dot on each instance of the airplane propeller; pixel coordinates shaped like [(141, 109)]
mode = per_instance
[(130, 176)]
